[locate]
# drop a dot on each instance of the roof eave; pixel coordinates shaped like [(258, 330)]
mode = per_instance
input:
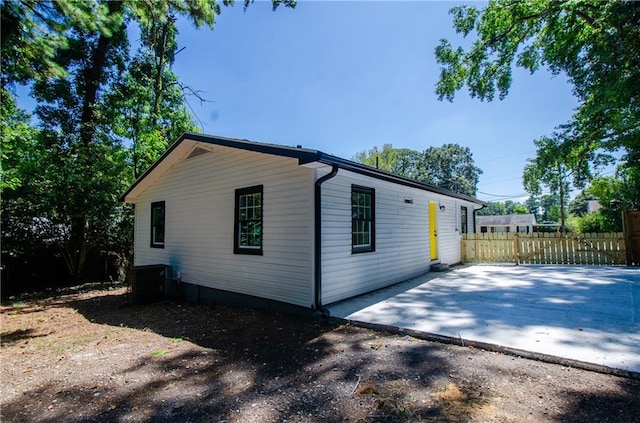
[(390, 177), (304, 156)]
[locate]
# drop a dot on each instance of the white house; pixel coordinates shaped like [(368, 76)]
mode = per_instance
[(506, 223), (288, 225)]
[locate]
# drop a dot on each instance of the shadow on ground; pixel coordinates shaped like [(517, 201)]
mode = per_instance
[(217, 363), (577, 312)]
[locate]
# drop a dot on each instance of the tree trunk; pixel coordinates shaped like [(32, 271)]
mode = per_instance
[(79, 246), (160, 52), (93, 75)]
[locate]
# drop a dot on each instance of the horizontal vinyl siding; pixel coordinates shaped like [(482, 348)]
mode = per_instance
[(449, 231), (200, 192), (449, 228), (402, 236), (402, 241)]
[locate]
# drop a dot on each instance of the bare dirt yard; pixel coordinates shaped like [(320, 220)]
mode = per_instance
[(86, 355)]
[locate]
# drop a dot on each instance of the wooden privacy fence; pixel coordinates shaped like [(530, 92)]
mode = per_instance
[(631, 226), (545, 248)]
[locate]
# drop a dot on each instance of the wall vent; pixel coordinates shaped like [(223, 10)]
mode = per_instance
[(197, 152)]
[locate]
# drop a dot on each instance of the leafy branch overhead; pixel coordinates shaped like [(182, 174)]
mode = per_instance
[(105, 113), (596, 44)]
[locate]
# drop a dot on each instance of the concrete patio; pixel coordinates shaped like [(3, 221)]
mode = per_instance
[(585, 313)]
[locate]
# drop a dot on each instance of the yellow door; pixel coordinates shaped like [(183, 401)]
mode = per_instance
[(433, 232)]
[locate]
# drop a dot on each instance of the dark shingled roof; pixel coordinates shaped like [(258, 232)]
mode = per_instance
[(304, 156)]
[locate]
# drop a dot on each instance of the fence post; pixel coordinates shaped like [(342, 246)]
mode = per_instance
[(463, 249), (626, 233), (516, 248)]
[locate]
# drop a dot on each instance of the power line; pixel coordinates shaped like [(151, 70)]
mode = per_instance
[(505, 157), (502, 195), (516, 175)]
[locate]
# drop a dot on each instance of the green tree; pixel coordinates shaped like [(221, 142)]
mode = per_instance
[(501, 208), (33, 32), (533, 205), (615, 193), (579, 206), (549, 208), (74, 54), (19, 139), (408, 163), (549, 169), (595, 43), (594, 222), (518, 208), (450, 166), (381, 158), (147, 120), (493, 208), (556, 166)]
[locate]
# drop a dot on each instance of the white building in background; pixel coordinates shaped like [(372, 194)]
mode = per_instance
[(506, 223)]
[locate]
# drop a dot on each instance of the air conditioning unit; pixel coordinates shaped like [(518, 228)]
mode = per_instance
[(150, 284)]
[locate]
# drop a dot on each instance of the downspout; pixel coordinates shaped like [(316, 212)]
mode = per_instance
[(317, 301), (474, 217)]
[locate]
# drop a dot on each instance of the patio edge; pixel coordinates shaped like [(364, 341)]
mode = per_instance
[(463, 342)]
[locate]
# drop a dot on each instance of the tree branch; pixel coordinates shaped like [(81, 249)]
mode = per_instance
[(588, 20)]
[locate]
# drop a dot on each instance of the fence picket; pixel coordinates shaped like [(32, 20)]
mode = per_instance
[(545, 248)]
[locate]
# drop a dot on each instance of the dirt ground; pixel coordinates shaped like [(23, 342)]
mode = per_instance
[(85, 355)]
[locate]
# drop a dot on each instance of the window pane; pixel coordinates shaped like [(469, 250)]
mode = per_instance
[(157, 224), (249, 219), (463, 220), (362, 215), (158, 235)]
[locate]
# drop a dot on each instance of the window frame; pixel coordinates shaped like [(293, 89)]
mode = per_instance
[(371, 246), (237, 232), (464, 220), (158, 205)]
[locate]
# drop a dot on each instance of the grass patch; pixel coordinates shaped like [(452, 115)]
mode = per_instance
[(159, 353)]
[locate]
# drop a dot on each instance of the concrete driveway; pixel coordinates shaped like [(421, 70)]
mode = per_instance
[(584, 313)]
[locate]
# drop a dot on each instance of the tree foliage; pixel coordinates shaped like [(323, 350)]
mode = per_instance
[(450, 166), (556, 166), (501, 208), (33, 32), (19, 140), (579, 206), (596, 44), (613, 194), (105, 113)]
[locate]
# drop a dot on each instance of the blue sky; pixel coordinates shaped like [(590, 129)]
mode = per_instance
[(342, 77)]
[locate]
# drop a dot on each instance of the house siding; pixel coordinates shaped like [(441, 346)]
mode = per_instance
[(402, 236), (402, 241), (199, 225), (449, 229)]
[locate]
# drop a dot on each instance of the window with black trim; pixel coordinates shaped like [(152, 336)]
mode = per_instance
[(363, 226), (248, 221), (463, 220), (157, 224)]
